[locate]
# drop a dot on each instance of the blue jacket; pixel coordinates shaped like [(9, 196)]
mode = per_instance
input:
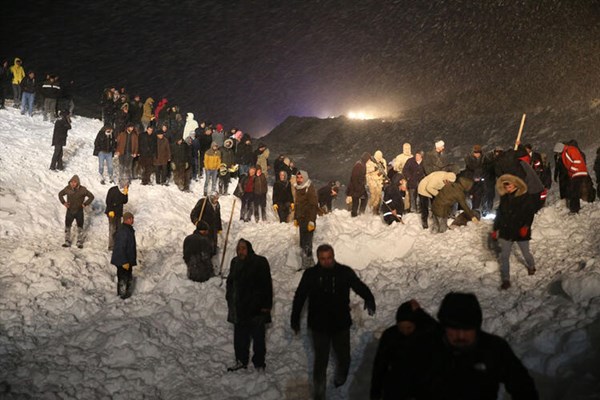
[(124, 251)]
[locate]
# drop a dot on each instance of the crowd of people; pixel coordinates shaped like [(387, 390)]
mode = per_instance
[(414, 356)]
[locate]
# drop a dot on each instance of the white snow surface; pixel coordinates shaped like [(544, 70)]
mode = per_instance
[(64, 333)]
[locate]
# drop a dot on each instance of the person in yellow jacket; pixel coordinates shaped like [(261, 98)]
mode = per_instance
[(212, 162), (18, 73)]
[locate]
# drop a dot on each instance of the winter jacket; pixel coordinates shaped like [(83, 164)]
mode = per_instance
[(29, 85), (474, 167), (328, 293), (532, 179), (375, 172), (434, 161), (574, 161), (434, 182), (244, 154), (190, 125), (50, 89), (17, 71), (307, 202), (122, 144), (358, 179), (211, 214), (394, 375), (393, 199), (159, 108), (450, 195), (413, 172), (147, 145), (197, 254), (77, 198), (124, 251), (136, 110), (400, 161), (114, 201), (516, 210), (104, 143), (260, 184), (473, 374), (147, 114), (282, 192), (219, 138), (227, 156), (212, 159), (180, 154), (206, 141), (163, 151), (61, 129), (249, 289), (262, 159)]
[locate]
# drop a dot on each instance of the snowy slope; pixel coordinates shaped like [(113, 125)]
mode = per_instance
[(64, 333)]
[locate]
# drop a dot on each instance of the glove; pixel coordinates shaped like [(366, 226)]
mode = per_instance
[(311, 226), (295, 222), (292, 206), (187, 166), (173, 167), (523, 231), (494, 235), (370, 307), (275, 207), (126, 190), (126, 266), (348, 200), (475, 220), (219, 232), (111, 214)]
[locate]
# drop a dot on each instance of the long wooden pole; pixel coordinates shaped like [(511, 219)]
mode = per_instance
[(227, 237), (520, 132)]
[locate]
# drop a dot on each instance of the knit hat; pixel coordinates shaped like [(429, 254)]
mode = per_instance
[(558, 147), (405, 312), (439, 144), (127, 215), (461, 311)]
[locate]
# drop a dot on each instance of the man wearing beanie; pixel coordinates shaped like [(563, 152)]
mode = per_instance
[(435, 160), (393, 370), (463, 362)]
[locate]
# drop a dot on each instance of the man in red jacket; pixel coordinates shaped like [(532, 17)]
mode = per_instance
[(574, 161)]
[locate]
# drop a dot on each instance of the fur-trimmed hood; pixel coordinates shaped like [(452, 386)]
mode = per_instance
[(515, 180)]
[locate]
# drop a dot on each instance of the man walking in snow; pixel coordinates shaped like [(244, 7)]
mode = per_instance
[(249, 300), (59, 140), (115, 198), (327, 286), (78, 197), (307, 206), (124, 256)]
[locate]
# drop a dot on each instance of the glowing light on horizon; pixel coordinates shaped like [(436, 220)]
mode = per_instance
[(360, 115)]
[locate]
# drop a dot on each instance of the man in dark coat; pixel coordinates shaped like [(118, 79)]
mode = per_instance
[(181, 162), (282, 196), (460, 361), (147, 152), (124, 255), (104, 148), (326, 194), (59, 140), (78, 197), (197, 254), (357, 187), (208, 210), (393, 375), (249, 300), (115, 199), (514, 218), (51, 92), (392, 206), (474, 171), (305, 217), (327, 286), (244, 155), (413, 171)]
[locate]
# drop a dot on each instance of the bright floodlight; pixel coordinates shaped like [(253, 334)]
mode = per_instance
[(360, 115)]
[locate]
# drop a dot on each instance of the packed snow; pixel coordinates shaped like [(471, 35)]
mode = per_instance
[(65, 334)]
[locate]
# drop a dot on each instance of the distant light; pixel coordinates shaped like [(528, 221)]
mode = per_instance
[(360, 115)]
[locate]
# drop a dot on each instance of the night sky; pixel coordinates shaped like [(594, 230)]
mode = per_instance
[(250, 64)]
